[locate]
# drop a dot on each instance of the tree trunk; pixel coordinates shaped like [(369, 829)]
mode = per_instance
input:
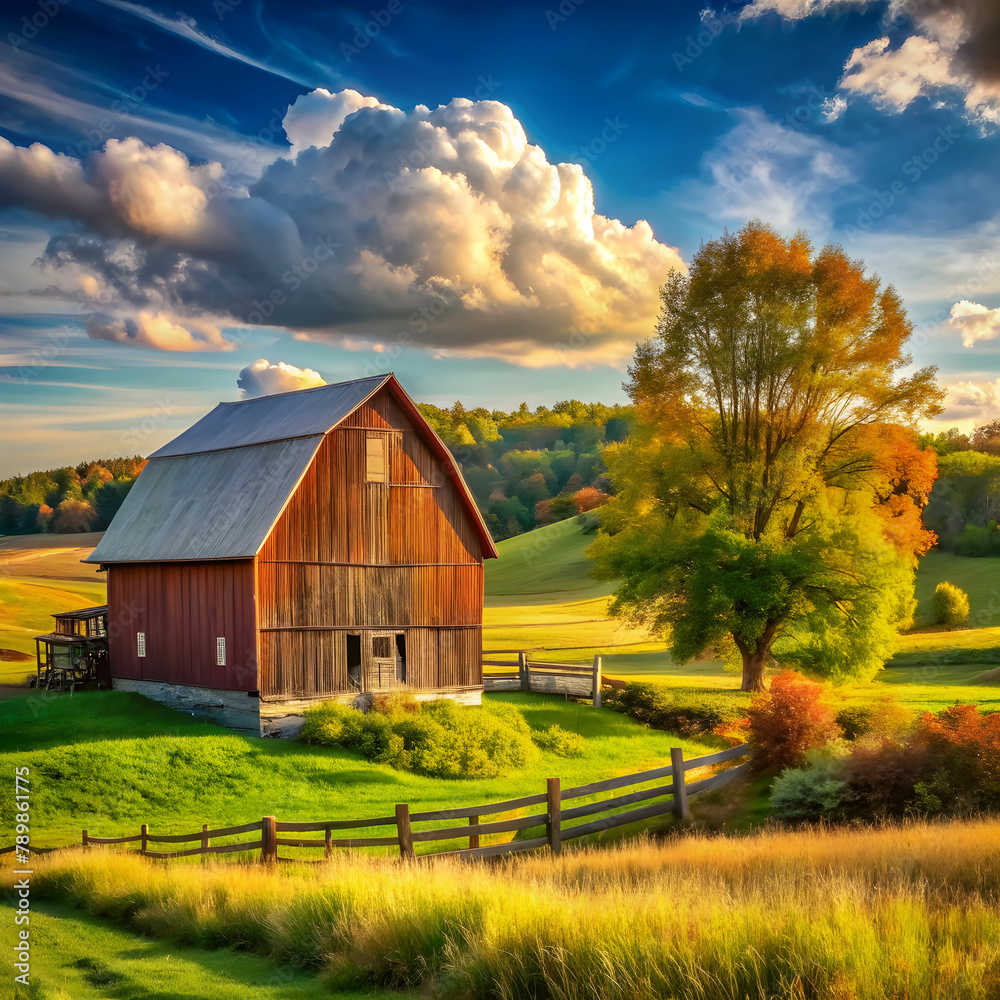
[(754, 662)]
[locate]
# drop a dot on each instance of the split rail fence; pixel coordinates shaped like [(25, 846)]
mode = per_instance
[(513, 670), (546, 809)]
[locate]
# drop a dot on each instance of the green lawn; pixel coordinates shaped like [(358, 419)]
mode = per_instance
[(539, 598), (110, 761), (78, 957)]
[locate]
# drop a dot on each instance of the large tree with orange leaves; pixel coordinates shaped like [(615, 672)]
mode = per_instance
[(756, 503)]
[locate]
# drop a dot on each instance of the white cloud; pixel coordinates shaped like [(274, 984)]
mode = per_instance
[(263, 379), (833, 108), (796, 10), (315, 118), (445, 227), (968, 404), (956, 49), (975, 322), (763, 168), (893, 78), (160, 332)]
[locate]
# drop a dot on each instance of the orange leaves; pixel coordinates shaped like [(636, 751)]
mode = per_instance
[(789, 719)]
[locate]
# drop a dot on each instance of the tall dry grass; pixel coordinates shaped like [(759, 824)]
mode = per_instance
[(904, 912)]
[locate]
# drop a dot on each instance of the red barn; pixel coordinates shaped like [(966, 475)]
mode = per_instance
[(295, 547)]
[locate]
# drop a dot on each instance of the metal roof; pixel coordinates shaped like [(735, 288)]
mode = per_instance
[(213, 505), (278, 417), (217, 489)]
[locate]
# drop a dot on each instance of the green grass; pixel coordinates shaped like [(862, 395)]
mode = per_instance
[(110, 761), (906, 911), (540, 598), (78, 957)]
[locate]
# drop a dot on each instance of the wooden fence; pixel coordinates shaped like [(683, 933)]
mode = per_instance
[(512, 670), (544, 810)]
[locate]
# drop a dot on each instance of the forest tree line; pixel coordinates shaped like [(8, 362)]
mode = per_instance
[(527, 468)]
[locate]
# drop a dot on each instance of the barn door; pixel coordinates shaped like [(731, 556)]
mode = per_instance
[(387, 667)]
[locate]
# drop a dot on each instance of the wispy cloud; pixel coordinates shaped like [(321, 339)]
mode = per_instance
[(187, 27)]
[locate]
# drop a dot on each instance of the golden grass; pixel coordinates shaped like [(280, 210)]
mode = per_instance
[(901, 912)]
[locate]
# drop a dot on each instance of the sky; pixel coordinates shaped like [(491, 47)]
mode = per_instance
[(206, 200)]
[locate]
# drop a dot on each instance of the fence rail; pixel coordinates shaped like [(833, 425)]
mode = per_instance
[(669, 795), (517, 672)]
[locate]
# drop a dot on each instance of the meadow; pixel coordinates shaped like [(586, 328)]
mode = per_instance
[(848, 914)]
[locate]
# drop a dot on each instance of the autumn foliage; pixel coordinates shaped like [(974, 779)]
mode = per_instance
[(787, 720)]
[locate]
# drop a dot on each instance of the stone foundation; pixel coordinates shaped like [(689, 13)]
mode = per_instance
[(238, 710)]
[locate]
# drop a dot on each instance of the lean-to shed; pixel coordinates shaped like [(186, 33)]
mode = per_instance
[(295, 547)]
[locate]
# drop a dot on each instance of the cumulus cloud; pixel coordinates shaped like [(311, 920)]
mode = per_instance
[(160, 332), (315, 118), (971, 403), (975, 322), (263, 379), (956, 49), (443, 228)]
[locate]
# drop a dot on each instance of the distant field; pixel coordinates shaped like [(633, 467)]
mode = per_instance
[(539, 597), (40, 575)]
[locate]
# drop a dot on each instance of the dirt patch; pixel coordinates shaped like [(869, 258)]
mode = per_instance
[(74, 540), (989, 677), (15, 656)]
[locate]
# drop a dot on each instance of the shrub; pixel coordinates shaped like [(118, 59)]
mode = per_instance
[(439, 739), (789, 719), (688, 713), (810, 792), (883, 718), (559, 741), (949, 763), (951, 605)]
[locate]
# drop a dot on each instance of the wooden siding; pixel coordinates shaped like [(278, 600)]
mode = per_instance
[(348, 554), (183, 608)]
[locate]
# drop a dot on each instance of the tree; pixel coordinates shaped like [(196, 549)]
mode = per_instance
[(951, 605), (987, 438), (747, 492)]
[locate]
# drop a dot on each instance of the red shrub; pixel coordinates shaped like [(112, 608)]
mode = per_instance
[(588, 498), (789, 719)]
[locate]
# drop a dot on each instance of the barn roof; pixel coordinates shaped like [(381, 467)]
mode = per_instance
[(217, 489)]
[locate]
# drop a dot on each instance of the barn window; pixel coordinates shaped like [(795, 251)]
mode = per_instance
[(400, 657), (381, 647), (375, 465)]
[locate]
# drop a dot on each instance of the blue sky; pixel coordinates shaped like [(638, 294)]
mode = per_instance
[(483, 200)]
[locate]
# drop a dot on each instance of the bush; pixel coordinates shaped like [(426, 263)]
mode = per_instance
[(789, 719), (883, 718), (951, 605), (949, 763), (810, 792), (559, 741), (439, 739), (688, 713)]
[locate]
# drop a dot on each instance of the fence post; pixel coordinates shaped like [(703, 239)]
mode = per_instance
[(473, 837), (84, 841), (522, 669), (269, 840), (328, 846), (403, 832), (144, 843), (680, 786), (597, 682), (553, 827), (204, 840)]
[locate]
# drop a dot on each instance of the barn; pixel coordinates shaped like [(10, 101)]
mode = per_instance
[(295, 547)]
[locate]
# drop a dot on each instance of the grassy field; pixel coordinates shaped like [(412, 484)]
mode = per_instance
[(40, 575), (539, 597), (847, 914), (78, 957), (182, 773)]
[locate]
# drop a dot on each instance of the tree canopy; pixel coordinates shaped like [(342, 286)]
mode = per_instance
[(770, 499)]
